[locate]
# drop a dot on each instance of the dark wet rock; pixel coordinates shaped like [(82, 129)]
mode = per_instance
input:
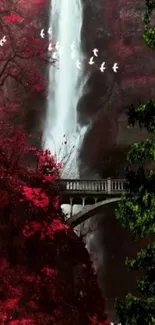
[(116, 30)]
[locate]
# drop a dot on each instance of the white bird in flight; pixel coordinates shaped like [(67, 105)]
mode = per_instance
[(4, 39), (50, 30), (91, 61), (50, 47), (42, 33), (95, 51), (102, 68), (115, 67)]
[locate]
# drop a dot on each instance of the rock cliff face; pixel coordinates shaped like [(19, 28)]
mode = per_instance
[(116, 29)]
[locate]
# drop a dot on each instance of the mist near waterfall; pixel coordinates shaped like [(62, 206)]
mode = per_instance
[(62, 134)]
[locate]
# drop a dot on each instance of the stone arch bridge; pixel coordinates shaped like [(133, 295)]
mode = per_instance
[(92, 195)]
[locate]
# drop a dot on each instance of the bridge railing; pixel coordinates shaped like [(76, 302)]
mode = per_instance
[(118, 185), (105, 185)]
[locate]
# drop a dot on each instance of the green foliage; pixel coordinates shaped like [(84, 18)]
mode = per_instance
[(136, 210), (136, 311), (149, 34), (145, 260), (142, 151), (143, 114), (149, 37), (150, 4), (138, 214)]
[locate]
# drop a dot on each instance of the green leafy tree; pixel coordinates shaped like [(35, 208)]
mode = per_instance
[(136, 210)]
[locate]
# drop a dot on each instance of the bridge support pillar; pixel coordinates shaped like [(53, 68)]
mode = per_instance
[(83, 201), (109, 183), (71, 206)]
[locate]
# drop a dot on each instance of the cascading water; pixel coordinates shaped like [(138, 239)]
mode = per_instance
[(62, 134)]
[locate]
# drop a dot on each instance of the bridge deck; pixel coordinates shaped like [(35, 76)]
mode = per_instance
[(104, 186)]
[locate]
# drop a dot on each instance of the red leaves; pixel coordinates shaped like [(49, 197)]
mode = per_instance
[(84, 266), (46, 160), (3, 265), (24, 52), (57, 225), (38, 2), (49, 272), (10, 303), (94, 321), (36, 196), (14, 18), (31, 229), (49, 178), (39, 88), (56, 202), (45, 229), (22, 322)]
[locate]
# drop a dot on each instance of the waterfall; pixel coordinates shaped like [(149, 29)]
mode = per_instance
[(62, 134)]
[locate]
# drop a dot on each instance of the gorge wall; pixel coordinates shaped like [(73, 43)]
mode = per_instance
[(116, 29)]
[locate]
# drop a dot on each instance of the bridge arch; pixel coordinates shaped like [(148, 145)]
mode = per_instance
[(88, 212)]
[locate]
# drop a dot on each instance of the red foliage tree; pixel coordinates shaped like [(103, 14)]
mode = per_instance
[(24, 58), (45, 272), (24, 51)]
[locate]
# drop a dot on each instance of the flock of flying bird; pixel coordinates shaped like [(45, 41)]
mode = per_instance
[(73, 52), (57, 49)]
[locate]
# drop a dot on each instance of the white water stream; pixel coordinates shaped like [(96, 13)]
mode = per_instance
[(62, 134)]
